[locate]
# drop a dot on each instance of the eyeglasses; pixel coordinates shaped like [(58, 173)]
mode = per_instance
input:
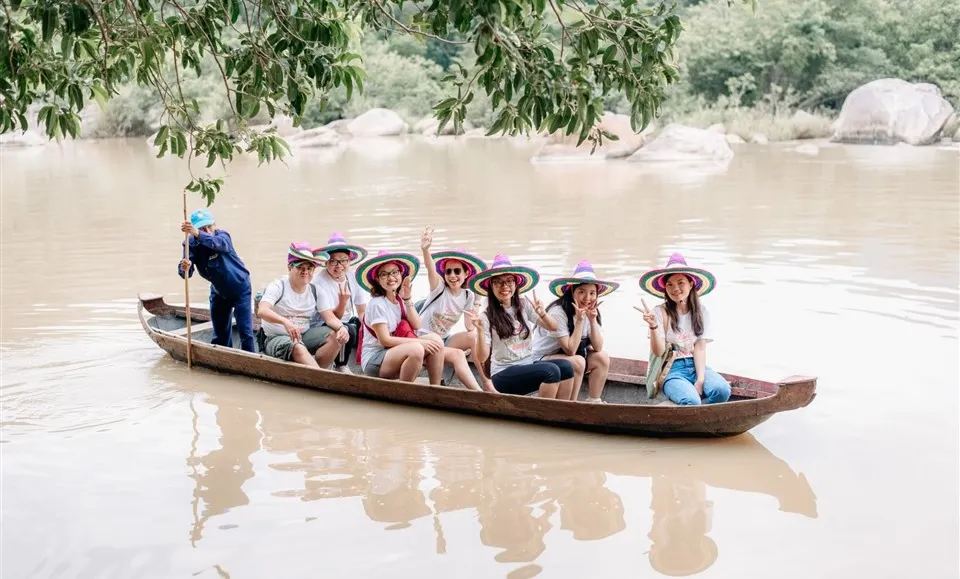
[(338, 261), (394, 273), (305, 266), (453, 270), (503, 282)]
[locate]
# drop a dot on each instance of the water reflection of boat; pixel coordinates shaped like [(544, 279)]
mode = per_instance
[(520, 488), (629, 411)]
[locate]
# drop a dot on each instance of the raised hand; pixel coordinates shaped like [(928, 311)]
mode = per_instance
[(405, 291), (426, 238), (344, 292)]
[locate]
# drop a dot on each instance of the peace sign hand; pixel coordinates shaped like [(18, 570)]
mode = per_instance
[(426, 238), (344, 292), (578, 312), (405, 291), (537, 304), (648, 316), (593, 310), (472, 319)]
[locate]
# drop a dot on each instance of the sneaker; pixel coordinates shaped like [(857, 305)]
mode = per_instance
[(596, 401), (344, 370)]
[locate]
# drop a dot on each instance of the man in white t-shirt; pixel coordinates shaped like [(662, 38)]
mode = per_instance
[(288, 313), (340, 299)]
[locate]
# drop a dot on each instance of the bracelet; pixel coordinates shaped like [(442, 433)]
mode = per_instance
[(653, 327)]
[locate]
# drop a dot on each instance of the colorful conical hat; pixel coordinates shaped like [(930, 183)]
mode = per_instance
[(527, 278), (301, 251), (473, 263), (653, 282), (338, 243), (367, 271), (582, 275)]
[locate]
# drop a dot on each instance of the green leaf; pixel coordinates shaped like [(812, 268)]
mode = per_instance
[(48, 22)]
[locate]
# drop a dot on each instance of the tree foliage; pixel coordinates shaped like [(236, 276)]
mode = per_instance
[(280, 56)]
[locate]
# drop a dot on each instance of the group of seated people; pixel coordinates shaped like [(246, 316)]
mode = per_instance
[(335, 300)]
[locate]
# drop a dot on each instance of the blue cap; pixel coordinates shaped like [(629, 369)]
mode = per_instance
[(201, 218)]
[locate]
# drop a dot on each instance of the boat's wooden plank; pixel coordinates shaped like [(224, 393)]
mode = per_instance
[(193, 328)]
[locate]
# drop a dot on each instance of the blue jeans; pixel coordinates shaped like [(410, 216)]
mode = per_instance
[(679, 384), (222, 309)]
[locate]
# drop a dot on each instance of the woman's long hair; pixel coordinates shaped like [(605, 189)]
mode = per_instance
[(500, 320), (693, 302), (566, 303)]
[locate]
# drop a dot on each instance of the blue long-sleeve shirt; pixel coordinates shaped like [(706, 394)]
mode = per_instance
[(217, 261)]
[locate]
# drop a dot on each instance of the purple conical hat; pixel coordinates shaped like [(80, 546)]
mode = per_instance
[(367, 271), (338, 243), (301, 251), (654, 281), (527, 278), (583, 274)]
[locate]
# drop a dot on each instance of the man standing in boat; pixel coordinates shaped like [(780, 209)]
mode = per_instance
[(340, 299), (213, 255)]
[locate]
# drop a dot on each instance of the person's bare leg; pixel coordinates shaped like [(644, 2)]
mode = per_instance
[(549, 390), (328, 351), (579, 365), (434, 364), (456, 358), (404, 362), (598, 365), (301, 355)]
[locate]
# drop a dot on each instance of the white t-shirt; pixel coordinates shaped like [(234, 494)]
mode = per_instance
[(514, 350), (301, 309), (444, 311), (685, 338), (379, 311), (545, 342), (328, 293)]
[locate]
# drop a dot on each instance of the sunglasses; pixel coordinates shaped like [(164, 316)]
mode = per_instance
[(453, 270)]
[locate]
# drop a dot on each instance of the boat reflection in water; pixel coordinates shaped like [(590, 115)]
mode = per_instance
[(515, 479)]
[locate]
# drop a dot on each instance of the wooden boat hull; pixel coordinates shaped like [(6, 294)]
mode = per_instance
[(755, 400)]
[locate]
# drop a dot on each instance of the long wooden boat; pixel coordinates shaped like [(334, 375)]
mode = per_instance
[(628, 410)]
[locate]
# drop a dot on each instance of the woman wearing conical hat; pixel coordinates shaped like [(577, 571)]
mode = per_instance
[(684, 321), (449, 297), (505, 333), (578, 337)]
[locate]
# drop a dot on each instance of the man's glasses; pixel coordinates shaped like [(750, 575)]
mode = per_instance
[(338, 261)]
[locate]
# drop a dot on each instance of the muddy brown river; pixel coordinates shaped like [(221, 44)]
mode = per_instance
[(119, 462)]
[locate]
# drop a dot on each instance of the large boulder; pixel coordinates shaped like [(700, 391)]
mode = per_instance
[(889, 111), (559, 146), (377, 123), (685, 144)]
